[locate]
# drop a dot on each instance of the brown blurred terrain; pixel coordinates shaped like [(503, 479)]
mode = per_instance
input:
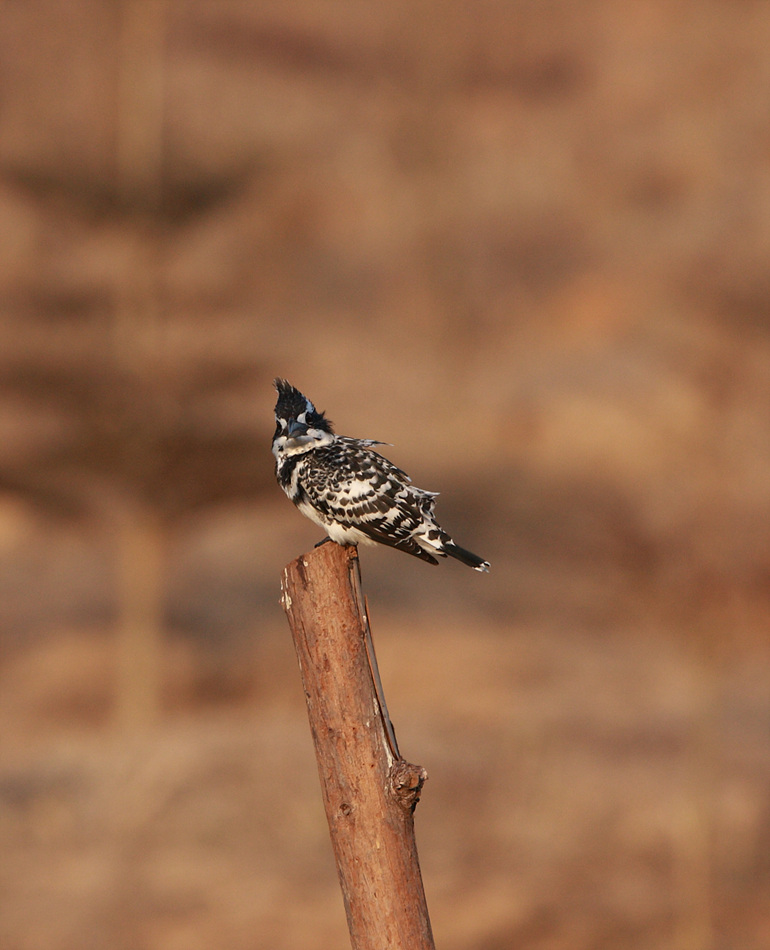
[(527, 243)]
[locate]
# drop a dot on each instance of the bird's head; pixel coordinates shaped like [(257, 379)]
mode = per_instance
[(299, 427)]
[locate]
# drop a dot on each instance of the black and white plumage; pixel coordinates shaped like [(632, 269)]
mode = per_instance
[(355, 494)]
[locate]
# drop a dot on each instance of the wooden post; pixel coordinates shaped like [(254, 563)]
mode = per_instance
[(369, 791)]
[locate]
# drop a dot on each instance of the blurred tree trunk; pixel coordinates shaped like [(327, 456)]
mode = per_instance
[(141, 542), (137, 352)]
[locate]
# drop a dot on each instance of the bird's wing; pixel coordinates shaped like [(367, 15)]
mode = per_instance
[(361, 489)]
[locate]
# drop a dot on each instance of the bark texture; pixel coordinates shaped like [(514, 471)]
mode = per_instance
[(369, 791)]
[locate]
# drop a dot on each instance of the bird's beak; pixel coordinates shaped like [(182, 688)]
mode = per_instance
[(297, 435), (296, 429)]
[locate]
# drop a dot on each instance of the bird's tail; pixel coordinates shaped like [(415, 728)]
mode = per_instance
[(472, 560)]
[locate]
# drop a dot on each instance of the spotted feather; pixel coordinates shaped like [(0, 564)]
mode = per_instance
[(353, 492)]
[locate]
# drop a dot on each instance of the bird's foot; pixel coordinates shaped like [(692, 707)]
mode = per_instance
[(322, 541)]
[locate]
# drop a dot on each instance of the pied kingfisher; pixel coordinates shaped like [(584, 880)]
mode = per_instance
[(354, 493)]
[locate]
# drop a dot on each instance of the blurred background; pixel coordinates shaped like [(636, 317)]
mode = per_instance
[(527, 243)]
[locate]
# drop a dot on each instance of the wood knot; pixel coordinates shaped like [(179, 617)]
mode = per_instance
[(406, 782)]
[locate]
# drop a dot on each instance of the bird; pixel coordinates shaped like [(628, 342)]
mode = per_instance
[(355, 494)]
